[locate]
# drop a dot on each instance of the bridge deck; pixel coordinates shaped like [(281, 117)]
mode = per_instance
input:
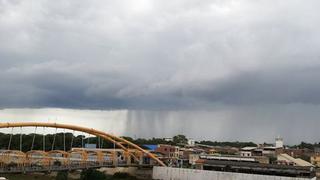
[(27, 169)]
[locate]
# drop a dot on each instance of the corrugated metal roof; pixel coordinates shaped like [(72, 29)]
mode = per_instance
[(298, 161), (303, 162), (248, 148), (151, 147)]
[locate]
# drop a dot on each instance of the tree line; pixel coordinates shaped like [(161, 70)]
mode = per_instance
[(56, 142), (66, 141)]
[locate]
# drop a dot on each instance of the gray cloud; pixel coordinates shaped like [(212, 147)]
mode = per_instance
[(156, 55), (293, 122), (151, 54)]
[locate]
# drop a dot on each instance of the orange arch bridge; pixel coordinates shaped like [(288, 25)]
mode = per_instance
[(122, 143)]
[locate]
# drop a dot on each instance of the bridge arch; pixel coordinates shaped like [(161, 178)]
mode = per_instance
[(111, 138)]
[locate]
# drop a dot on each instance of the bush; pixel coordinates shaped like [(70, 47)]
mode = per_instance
[(122, 176), (62, 175), (91, 174)]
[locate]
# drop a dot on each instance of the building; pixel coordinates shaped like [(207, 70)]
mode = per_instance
[(251, 151), (317, 150), (294, 152), (168, 151), (286, 159), (315, 160), (258, 159), (150, 147), (271, 151), (249, 165), (279, 142), (247, 151), (218, 149), (191, 142), (261, 159), (225, 150), (193, 158)]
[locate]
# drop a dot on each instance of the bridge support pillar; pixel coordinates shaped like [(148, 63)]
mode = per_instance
[(115, 159), (129, 160), (141, 159)]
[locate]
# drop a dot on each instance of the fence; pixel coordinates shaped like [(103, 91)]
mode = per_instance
[(168, 173)]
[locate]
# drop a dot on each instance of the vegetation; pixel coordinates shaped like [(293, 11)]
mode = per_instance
[(180, 139), (122, 176), (97, 175), (92, 174), (231, 144), (305, 145), (38, 142), (89, 174), (176, 140), (141, 141), (27, 176), (62, 175), (77, 142)]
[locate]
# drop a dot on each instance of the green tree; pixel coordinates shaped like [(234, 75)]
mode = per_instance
[(122, 176), (232, 144), (180, 139), (306, 145), (62, 175), (91, 174)]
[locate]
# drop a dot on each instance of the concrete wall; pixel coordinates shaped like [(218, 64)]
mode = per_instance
[(167, 173)]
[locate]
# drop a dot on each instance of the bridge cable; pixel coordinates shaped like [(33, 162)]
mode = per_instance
[(20, 138), (34, 136), (88, 140), (54, 139), (64, 140), (102, 143), (71, 144), (114, 143), (10, 139), (44, 140), (82, 139), (114, 150), (99, 142)]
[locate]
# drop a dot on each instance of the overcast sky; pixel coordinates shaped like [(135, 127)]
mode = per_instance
[(252, 67)]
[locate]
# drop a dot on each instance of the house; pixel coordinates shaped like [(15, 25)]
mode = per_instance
[(150, 147), (247, 151), (286, 159), (168, 151), (271, 151), (191, 142), (315, 160)]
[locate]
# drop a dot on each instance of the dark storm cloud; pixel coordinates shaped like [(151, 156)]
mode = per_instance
[(158, 55), (293, 122), (284, 86)]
